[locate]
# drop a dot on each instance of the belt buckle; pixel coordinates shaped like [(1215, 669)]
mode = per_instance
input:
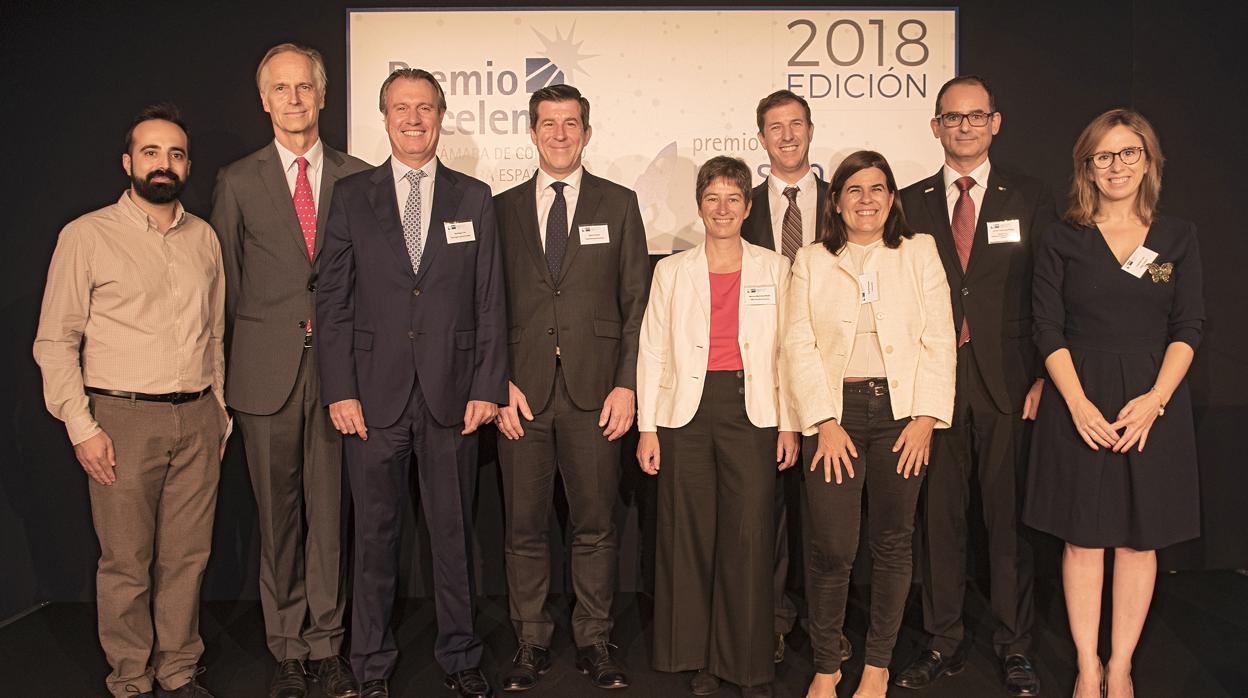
[(878, 389)]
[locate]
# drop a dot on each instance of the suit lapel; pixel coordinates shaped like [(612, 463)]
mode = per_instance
[(938, 213), (587, 201), (331, 170), (697, 270), (446, 196), (821, 207), (997, 192), (526, 211), (760, 217), (275, 185), (386, 208)]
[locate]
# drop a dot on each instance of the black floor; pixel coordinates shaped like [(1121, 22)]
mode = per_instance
[(1195, 644)]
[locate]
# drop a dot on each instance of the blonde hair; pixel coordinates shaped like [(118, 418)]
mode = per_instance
[(318, 64), (1085, 198)]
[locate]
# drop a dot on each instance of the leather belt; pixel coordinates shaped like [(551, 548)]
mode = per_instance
[(877, 387), (175, 398)]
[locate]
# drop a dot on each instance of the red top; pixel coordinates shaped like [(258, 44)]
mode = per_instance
[(725, 353)]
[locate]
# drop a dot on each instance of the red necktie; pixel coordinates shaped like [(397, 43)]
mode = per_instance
[(305, 206), (964, 237)]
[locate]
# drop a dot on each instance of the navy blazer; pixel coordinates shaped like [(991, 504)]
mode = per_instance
[(379, 327), (756, 229)]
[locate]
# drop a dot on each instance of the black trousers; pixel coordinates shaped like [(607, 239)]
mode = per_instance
[(836, 516), (713, 605), (379, 470), (566, 439), (785, 609), (991, 446)]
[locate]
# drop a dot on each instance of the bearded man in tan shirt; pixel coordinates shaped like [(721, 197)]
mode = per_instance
[(130, 345)]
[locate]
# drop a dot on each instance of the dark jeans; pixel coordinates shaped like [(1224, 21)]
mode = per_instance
[(836, 515)]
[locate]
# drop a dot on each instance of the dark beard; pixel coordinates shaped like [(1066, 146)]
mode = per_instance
[(158, 192)]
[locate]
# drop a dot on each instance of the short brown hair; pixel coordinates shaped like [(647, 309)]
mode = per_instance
[(411, 74), (318, 64), (967, 80), (558, 93), (1085, 198), (775, 99), (732, 169), (835, 234)]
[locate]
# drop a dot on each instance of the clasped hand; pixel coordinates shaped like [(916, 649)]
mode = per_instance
[(1133, 423)]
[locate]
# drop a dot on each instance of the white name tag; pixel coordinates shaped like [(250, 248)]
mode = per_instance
[(1004, 231), (869, 287), (459, 231), (760, 295), (1139, 261), (594, 235)]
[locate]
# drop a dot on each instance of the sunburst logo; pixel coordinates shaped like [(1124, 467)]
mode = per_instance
[(559, 62)]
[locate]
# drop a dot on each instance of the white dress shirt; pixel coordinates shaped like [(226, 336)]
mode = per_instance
[(546, 198), (979, 174), (316, 160), (807, 203), (402, 188)]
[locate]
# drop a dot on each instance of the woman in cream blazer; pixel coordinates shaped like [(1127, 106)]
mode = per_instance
[(869, 348), (715, 425)]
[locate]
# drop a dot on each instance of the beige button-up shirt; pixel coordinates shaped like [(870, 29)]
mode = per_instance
[(127, 308)]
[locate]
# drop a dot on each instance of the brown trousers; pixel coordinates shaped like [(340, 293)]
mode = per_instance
[(154, 525), (294, 457)]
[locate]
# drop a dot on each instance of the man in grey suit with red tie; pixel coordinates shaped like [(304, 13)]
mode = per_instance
[(268, 209), (411, 329), (985, 220), (578, 275)]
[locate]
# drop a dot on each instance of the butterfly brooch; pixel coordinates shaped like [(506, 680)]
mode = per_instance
[(1160, 272)]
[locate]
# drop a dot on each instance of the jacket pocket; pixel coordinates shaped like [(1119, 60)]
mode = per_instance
[(363, 340), (606, 328), (514, 334), (466, 339)]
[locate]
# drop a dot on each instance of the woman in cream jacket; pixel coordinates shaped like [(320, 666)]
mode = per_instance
[(709, 401), (869, 347)]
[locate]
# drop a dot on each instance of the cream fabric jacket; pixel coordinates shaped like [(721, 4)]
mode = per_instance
[(675, 339), (913, 319)]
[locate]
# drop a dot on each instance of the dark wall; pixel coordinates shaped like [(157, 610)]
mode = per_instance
[(74, 74)]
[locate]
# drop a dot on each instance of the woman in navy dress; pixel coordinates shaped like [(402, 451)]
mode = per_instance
[(1118, 314)]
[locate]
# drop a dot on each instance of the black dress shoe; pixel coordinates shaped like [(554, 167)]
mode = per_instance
[(847, 648), (470, 683), (528, 664), (376, 688), (703, 683), (335, 677), (289, 681), (930, 666), (190, 689), (603, 671), (1020, 676)]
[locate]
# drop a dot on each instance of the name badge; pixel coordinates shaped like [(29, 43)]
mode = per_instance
[(1004, 231), (594, 234), (869, 287), (760, 295), (459, 231), (1139, 260)]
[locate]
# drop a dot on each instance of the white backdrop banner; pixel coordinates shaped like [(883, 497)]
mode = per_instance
[(669, 89)]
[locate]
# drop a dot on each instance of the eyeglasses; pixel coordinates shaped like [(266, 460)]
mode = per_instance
[(953, 119), (1127, 156)]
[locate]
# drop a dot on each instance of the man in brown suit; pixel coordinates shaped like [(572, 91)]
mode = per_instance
[(577, 276), (268, 209)]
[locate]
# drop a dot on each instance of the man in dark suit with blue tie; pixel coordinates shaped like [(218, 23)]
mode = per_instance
[(411, 325)]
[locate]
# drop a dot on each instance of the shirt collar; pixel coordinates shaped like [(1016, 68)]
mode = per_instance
[(138, 215), (573, 180), (805, 184), (400, 169), (314, 155), (979, 174)]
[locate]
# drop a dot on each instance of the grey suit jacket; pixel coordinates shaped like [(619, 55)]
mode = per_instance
[(270, 284), (592, 312)]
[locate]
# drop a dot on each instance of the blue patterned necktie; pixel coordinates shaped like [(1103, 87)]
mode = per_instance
[(557, 230), (411, 219)]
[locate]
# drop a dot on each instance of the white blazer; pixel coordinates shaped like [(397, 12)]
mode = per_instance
[(675, 339), (913, 319)]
